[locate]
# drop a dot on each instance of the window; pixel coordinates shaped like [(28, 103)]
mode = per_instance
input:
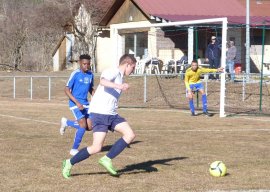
[(136, 43)]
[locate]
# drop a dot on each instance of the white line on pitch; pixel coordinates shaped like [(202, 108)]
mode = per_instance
[(27, 119), (201, 130), (150, 130)]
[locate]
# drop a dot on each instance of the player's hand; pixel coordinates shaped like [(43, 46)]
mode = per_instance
[(190, 94), (124, 86), (221, 69), (80, 106)]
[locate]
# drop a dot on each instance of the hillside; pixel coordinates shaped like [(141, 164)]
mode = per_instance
[(30, 30)]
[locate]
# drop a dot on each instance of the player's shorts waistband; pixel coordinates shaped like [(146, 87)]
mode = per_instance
[(75, 107)]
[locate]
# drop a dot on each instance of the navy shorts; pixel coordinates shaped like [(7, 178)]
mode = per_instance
[(103, 123)]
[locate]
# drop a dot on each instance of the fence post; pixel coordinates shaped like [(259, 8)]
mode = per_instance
[(244, 86), (14, 87), (49, 97), (31, 87), (145, 89)]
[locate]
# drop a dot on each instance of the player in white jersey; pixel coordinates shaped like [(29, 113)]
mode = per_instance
[(104, 117)]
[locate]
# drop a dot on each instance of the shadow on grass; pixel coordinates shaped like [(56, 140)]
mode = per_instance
[(144, 167), (148, 166), (108, 147)]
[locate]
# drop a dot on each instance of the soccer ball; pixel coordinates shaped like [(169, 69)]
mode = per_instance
[(218, 169)]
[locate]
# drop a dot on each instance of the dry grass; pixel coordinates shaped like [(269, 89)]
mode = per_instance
[(172, 151)]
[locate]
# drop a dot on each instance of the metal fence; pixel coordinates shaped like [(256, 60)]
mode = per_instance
[(152, 91)]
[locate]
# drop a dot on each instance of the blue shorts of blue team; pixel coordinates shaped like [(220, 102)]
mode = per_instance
[(104, 123), (79, 114), (195, 87)]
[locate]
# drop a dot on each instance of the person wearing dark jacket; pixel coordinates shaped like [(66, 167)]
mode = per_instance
[(213, 55)]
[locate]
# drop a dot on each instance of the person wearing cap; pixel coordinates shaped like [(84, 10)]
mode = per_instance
[(213, 54)]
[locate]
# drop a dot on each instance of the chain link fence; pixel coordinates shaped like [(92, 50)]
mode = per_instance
[(244, 96)]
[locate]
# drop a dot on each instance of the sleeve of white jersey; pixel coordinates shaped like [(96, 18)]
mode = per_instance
[(110, 74)]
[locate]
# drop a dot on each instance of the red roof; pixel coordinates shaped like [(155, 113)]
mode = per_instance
[(183, 10)]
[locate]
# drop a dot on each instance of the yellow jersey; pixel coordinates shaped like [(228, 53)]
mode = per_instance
[(192, 77)]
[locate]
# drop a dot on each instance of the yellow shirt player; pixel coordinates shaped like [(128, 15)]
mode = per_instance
[(193, 83)]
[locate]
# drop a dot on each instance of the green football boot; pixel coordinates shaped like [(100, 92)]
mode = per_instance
[(106, 162), (66, 168)]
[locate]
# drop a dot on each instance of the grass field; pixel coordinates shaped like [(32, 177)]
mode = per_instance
[(172, 151)]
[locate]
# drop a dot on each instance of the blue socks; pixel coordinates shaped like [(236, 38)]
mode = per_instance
[(117, 148), (74, 124), (78, 137), (79, 133), (80, 156), (191, 106), (204, 101)]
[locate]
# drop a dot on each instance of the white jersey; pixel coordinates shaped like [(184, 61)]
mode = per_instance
[(105, 99)]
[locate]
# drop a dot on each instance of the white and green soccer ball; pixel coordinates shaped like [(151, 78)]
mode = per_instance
[(218, 169)]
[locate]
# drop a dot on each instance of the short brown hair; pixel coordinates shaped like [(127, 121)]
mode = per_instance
[(127, 58)]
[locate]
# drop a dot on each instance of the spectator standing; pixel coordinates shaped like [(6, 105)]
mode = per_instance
[(213, 54), (230, 60)]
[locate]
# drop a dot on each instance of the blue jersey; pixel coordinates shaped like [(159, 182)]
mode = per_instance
[(80, 84)]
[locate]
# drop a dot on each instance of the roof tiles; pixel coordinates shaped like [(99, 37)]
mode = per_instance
[(180, 10)]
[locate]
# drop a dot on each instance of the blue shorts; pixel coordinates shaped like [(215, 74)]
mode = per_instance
[(103, 123), (79, 114), (195, 87)]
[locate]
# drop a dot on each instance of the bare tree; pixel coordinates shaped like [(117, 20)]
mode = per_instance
[(30, 29)]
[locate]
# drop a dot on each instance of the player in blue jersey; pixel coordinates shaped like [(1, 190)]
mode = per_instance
[(105, 117), (80, 83)]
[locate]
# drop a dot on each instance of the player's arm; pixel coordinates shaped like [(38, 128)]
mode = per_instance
[(206, 70), (92, 91), (187, 77), (106, 83), (221, 69), (72, 98)]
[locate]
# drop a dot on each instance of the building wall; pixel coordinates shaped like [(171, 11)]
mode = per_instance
[(104, 51), (62, 55), (170, 46), (110, 46), (56, 61), (128, 12)]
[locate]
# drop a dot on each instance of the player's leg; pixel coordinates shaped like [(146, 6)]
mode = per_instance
[(88, 123), (227, 69), (69, 123), (189, 95), (204, 102), (231, 69), (78, 136), (127, 137), (191, 107), (98, 140), (80, 116), (120, 125)]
